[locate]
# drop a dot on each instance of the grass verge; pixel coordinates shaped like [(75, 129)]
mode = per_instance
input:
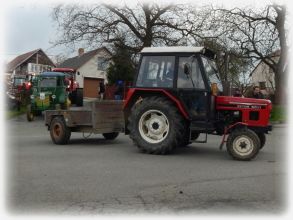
[(13, 113), (278, 114)]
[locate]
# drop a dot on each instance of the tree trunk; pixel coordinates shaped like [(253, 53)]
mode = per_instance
[(281, 86)]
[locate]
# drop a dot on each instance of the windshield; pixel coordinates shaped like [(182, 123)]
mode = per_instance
[(48, 82), (212, 72), (18, 81)]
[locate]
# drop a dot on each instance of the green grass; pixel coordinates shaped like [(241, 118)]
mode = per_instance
[(278, 114), (14, 113)]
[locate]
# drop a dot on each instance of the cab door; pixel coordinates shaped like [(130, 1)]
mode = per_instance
[(193, 89)]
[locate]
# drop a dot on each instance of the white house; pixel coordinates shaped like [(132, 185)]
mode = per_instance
[(264, 77), (91, 69)]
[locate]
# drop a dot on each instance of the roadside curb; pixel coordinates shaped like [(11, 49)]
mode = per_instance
[(279, 125)]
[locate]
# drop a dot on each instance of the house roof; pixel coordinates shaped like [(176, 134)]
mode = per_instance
[(78, 61), (13, 64)]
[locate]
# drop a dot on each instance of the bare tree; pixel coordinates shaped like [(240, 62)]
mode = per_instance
[(259, 35), (142, 25)]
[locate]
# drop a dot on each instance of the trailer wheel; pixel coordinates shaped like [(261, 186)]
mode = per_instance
[(29, 113), (262, 138), (60, 133), (110, 136), (243, 144), (155, 126)]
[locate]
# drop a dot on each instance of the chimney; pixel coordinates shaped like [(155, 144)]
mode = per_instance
[(80, 52)]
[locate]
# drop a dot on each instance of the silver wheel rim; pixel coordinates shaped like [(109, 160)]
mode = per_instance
[(153, 126), (243, 145)]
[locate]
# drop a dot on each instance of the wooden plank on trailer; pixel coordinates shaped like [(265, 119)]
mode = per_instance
[(108, 114)]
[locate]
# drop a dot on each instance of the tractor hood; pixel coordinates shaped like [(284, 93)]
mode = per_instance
[(230, 102)]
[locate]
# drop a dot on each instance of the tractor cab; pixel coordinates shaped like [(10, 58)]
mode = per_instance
[(188, 73), (75, 93)]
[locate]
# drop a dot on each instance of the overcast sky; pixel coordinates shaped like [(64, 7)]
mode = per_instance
[(29, 25)]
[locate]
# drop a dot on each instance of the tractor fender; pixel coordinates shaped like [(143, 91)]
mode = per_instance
[(135, 94)]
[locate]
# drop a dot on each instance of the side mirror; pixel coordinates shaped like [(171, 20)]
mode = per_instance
[(187, 69)]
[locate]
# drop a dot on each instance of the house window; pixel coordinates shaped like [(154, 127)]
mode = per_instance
[(262, 85), (102, 63)]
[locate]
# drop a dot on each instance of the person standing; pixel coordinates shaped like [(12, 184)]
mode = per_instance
[(237, 93), (256, 94), (101, 90), (119, 91)]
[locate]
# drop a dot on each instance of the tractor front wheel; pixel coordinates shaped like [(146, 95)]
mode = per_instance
[(243, 144), (60, 133), (29, 113)]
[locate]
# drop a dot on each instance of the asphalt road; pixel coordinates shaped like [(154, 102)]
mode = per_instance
[(95, 176)]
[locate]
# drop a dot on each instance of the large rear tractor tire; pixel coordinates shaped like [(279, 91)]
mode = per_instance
[(29, 113), (110, 136), (243, 144), (155, 125), (79, 97), (60, 133), (72, 97)]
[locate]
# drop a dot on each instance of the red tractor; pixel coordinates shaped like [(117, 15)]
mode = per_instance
[(75, 93), (177, 96), (18, 90)]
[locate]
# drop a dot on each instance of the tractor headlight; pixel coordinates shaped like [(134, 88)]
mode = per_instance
[(53, 97), (32, 96)]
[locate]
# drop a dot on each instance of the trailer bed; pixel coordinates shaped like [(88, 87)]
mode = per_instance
[(97, 117)]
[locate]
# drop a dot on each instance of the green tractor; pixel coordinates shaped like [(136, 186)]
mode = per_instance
[(48, 91)]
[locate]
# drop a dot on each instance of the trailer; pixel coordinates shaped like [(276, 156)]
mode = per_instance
[(97, 117)]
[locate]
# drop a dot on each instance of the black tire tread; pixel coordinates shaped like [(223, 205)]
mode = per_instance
[(175, 119), (262, 138), (110, 136), (79, 97)]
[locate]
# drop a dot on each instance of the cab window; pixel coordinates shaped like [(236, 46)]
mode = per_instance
[(212, 72), (48, 82), (156, 71), (194, 79)]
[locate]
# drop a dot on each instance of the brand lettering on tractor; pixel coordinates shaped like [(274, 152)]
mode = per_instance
[(247, 106), (256, 107), (242, 106)]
